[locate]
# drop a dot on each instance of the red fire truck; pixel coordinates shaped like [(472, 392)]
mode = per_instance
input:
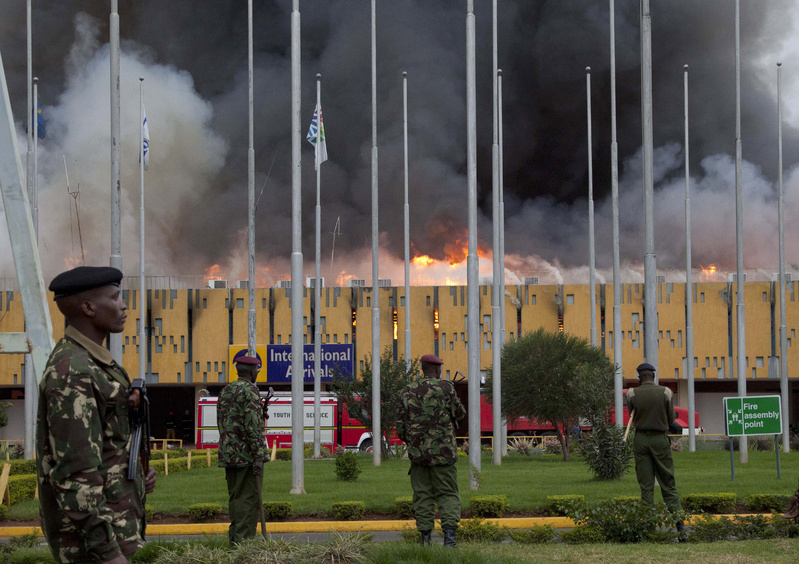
[(337, 427)]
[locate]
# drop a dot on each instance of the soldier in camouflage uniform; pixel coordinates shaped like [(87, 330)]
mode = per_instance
[(242, 452), (426, 423), (90, 511)]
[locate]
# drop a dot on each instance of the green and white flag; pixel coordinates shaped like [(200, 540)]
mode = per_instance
[(317, 132)]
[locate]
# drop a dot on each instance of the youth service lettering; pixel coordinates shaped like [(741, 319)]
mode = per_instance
[(333, 356)]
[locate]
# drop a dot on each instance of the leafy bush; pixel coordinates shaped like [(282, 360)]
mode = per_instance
[(3, 512), (582, 534), (538, 534), (283, 454), (785, 528), (204, 511), (21, 487), (477, 530), (767, 502), (278, 510), (149, 512), (522, 445), (564, 504), (709, 503), (488, 505), (348, 510), (21, 466), (175, 465), (347, 467), (752, 527), (605, 453), (404, 507), (552, 445), (627, 521)]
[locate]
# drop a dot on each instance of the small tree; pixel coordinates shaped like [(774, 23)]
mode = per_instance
[(555, 377), (356, 393)]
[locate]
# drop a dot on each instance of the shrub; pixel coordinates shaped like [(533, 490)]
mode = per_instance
[(278, 510), (564, 504), (605, 453), (21, 487), (627, 521), (411, 535), (784, 528), (204, 511), (522, 445), (539, 534), (767, 502), (552, 445), (709, 503), (582, 534), (752, 527), (3, 512), (762, 444), (348, 510), (477, 530), (283, 454), (677, 444), (21, 466), (404, 507), (706, 528), (149, 512), (347, 467), (175, 465), (488, 505)]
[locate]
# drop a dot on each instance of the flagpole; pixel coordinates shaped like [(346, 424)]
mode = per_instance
[(35, 202), (31, 389), (142, 283), (496, 316), (407, 221), (591, 242), (317, 360), (689, 288), (297, 372), (739, 236), (251, 193), (650, 266), (376, 434), (502, 301), (115, 339), (618, 377), (472, 260), (786, 435)]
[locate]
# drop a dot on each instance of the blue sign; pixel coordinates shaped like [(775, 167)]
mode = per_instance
[(278, 362)]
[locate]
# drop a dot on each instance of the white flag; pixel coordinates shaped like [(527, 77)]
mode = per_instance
[(317, 131), (145, 130)]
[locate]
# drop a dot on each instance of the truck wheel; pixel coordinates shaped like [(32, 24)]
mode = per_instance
[(366, 445)]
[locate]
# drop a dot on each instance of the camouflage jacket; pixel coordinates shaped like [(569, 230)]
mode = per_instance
[(653, 406), (427, 419), (240, 418), (89, 510)]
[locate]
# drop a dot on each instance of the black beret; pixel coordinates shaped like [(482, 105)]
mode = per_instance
[(645, 366), (84, 278)]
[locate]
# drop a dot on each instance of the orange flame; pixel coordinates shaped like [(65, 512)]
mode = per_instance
[(711, 273), (423, 260), (213, 273)]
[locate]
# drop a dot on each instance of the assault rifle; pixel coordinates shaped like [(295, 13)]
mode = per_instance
[(139, 413)]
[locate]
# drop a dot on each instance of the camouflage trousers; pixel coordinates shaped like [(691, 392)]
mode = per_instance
[(243, 503), (435, 485), (653, 460)]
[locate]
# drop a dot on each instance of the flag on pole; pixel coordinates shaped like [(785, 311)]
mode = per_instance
[(317, 131), (41, 131), (145, 139)]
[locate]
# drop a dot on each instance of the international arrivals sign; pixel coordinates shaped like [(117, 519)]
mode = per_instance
[(753, 415), (276, 362)]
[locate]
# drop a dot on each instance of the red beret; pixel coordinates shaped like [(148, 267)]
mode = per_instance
[(430, 359), (247, 360)]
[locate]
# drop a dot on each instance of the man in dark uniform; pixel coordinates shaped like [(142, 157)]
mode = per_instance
[(240, 418), (426, 423), (654, 412), (90, 511)]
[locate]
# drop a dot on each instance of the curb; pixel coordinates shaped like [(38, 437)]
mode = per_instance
[(328, 526)]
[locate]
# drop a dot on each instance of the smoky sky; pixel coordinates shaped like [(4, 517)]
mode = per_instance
[(197, 190)]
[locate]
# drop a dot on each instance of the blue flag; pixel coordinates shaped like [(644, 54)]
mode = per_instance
[(40, 120)]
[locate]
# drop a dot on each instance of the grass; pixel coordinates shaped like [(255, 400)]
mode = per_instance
[(525, 480)]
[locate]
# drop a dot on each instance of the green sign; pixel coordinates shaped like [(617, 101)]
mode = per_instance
[(754, 415)]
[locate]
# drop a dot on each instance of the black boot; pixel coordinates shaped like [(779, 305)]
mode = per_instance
[(427, 538), (449, 538)]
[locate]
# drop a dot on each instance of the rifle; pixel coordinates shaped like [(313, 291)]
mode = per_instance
[(260, 479), (139, 408)]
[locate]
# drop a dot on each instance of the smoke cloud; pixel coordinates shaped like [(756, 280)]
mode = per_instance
[(193, 56)]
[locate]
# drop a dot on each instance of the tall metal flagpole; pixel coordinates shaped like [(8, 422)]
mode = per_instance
[(786, 435), (618, 377), (115, 339), (297, 387), (472, 260), (739, 228), (689, 288), (376, 435), (142, 285), (591, 242), (31, 389), (496, 315), (407, 220), (503, 335), (650, 268), (35, 202), (250, 192), (317, 334)]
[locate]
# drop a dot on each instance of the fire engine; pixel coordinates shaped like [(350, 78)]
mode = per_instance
[(336, 426)]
